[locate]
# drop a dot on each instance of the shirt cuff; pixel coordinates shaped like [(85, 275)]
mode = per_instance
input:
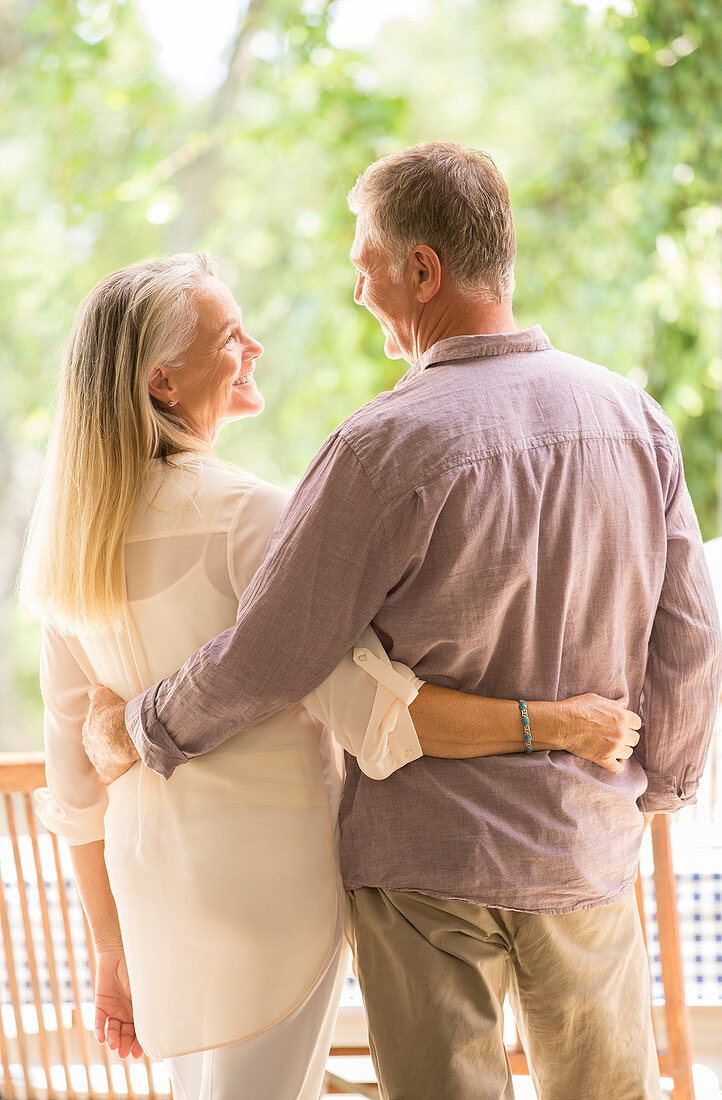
[(394, 741), (77, 826), (665, 794), (155, 747)]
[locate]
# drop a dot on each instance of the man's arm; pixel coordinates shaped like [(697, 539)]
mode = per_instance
[(682, 682), (324, 576)]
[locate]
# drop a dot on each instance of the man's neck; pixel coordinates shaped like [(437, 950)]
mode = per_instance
[(465, 318)]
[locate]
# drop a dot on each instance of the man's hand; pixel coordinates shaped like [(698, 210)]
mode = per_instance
[(105, 738)]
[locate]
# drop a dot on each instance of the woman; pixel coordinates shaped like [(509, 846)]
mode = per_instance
[(140, 547)]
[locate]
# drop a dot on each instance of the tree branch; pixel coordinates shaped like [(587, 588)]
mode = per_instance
[(240, 64), (195, 165)]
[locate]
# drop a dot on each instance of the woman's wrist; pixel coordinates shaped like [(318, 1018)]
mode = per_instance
[(108, 945), (549, 723)]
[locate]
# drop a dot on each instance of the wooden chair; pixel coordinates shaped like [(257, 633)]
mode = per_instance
[(43, 1036), (43, 1033), (675, 1060)]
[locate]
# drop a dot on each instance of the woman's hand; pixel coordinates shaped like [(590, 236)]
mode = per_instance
[(113, 1005), (601, 730)]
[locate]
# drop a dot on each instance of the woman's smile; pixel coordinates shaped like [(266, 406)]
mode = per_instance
[(244, 379)]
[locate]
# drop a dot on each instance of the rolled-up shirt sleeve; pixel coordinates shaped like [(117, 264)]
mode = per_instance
[(684, 666), (365, 703), (325, 574), (74, 802)]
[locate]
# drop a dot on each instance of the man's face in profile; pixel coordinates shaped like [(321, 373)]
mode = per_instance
[(388, 301)]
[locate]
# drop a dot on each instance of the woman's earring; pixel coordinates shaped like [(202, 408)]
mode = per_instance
[(171, 404)]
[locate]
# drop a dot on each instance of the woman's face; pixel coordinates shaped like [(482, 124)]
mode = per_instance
[(216, 381)]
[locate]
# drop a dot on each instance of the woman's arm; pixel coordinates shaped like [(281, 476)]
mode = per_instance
[(113, 1004), (91, 877), (458, 725), (386, 717), (73, 806)]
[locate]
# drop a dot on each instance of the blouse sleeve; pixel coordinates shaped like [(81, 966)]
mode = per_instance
[(74, 802), (258, 512), (365, 700)]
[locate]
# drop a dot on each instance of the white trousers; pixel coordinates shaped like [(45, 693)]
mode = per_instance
[(286, 1062)]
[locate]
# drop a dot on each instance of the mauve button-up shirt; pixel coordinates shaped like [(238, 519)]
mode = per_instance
[(514, 522)]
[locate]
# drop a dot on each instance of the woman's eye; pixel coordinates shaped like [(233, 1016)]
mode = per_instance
[(229, 337)]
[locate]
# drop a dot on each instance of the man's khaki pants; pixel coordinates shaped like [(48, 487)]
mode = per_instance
[(434, 974)]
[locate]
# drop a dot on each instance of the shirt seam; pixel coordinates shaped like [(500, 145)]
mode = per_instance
[(595, 903), (500, 450)]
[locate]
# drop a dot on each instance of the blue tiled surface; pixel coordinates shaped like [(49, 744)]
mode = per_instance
[(699, 896), (57, 930), (699, 904)]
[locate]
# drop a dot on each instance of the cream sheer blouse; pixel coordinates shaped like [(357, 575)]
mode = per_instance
[(225, 876)]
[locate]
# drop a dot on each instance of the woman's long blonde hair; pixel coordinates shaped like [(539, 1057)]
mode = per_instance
[(106, 431)]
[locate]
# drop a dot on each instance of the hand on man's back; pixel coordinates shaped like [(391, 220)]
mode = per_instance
[(105, 738)]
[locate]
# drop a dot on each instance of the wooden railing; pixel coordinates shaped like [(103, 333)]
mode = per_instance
[(47, 1049)]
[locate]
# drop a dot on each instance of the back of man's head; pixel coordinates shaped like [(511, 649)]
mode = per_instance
[(452, 199)]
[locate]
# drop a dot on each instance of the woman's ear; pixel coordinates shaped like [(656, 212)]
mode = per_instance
[(161, 385)]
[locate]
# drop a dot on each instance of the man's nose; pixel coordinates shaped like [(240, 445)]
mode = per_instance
[(358, 289)]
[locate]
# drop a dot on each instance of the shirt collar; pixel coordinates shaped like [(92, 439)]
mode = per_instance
[(480, 347)]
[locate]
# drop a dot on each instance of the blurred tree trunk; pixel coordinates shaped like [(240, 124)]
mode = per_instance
[(15, 500), (12, 527), (196, 181)]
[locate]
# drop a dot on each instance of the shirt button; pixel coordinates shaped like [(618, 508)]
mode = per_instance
[(362, 656), (409, 754)]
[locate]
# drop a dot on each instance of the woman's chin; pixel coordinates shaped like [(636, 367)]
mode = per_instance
[(248, 401)]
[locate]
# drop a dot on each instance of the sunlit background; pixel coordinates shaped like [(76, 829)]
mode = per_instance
[(135, 128)]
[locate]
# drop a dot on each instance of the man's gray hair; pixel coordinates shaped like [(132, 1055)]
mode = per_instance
[(452, 199)]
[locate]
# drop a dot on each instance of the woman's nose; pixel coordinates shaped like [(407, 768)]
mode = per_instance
[(254, 348)]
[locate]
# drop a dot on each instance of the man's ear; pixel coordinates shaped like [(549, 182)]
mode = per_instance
[(161, 385), (426, 267)]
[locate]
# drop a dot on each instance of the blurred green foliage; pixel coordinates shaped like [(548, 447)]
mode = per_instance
[(605, 121)]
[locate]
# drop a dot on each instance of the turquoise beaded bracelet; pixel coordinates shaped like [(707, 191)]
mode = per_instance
[(525, 725)]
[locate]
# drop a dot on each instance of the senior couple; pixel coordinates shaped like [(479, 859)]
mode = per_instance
[(508, 527)]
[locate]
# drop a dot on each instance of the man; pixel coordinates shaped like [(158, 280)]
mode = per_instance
[(513, 521)]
